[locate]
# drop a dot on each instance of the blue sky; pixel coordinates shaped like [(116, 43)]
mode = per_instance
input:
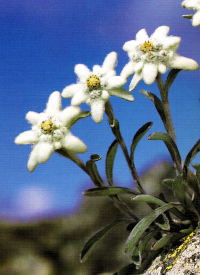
[(41, 42)]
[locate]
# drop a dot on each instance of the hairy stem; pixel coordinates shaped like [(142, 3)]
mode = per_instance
[(169, 126)]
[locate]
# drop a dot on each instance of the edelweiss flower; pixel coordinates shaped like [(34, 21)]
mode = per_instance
[(192, 5), (94, 88), (152, 55), (51, 131)]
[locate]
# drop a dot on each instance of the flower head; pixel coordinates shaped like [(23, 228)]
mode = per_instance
[(193, 5), (95, 87), (152, 55), (51, 131)]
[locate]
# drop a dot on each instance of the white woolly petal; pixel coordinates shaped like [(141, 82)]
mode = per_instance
[(79, 98), (149, 73), (34, 117), (130, 45), (74, 144), (44, 151), (27, 137), (139, 66), (115, 81), (142, 36), (110, 73), (33, 160), (160, 32), (82, 71), (54, 103), (40, 154), (184, 63), (105, 95), (196, 19), (110, 62), (128, 69), (97, 69), (97, 110), (135, 80), (162, 68), (190, 4), (172, 41), (70, 90), (68, 114)]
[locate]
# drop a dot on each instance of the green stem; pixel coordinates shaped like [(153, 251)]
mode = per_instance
[(116, 131), (169, 126), (166, 108)]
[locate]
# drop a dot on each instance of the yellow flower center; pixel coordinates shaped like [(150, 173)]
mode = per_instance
[(147, 46), (46, 125), (93, 82)]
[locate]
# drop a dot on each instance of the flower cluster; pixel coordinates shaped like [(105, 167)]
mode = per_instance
[(95, 88), (152, 55), (148, 57), (51, 131)]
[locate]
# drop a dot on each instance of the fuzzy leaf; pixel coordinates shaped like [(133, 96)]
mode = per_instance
[(142, 248), (162, 220), (108, 191), (94, 240), (110, 161), (149, 199), (157, 102), (188, 16), (141, 226), (195, 149), (170, 79), (122, 93), (162, 242), (197, 167), (93, 171), (179, 188), (193, 182), (136, 256), (137, 137), (154, 200), (170, 144)]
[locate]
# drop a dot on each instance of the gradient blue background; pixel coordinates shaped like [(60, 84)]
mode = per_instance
[(41, 41)]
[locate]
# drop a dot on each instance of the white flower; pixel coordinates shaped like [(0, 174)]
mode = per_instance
[(152, 55), (51, 131), (193, 5), (94, 88)]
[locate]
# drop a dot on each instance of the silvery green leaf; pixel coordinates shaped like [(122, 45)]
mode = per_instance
[(163, 241), (142, 225), (90, 245), (195, 149), (170, 79), (170, 144), (122, 93), (108, 191), (137, 137), (110, 161), (93, 171)]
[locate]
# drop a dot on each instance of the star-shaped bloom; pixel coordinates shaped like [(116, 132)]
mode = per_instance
[(51, 131), (192, 5), (95, 87), (152, 55)]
